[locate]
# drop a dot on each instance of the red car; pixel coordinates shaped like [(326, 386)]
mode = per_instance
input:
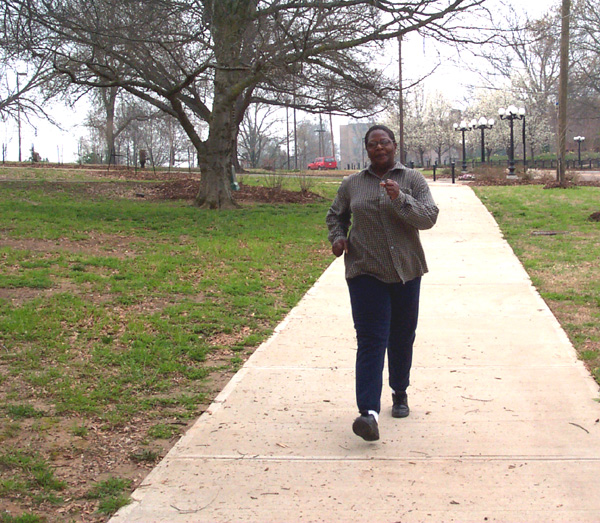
[(323, 163)]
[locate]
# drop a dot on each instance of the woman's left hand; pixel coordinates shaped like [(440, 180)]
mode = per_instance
[(391, 187)]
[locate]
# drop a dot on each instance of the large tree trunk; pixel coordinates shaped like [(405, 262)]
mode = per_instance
[(216, 155), (215, 191), (233, 30)]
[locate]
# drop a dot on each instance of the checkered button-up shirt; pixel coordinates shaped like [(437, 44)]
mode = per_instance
[(383, 234)]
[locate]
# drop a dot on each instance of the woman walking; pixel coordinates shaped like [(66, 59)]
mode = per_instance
[(374, 221)]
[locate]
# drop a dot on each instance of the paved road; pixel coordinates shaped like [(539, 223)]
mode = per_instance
[(504, 423)]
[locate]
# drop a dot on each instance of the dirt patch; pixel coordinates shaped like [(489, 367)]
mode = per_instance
[(81, 461), (84, 450), (94, 243), (20, 295)]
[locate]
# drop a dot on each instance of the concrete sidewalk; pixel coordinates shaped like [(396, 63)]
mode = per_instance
[(503, 426)]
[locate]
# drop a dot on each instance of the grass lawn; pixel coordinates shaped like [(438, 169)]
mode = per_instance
[(559, 246), (120, 320)]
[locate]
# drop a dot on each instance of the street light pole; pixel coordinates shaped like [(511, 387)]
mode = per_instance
[(463, 127), (579, 139), (483, 123), (511, 113)]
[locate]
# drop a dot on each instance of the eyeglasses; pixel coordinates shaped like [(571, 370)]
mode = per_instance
[(386, 142)]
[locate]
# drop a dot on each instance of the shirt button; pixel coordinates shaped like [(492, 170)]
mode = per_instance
[(392, 247)]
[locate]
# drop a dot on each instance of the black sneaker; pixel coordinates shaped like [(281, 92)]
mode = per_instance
[(366, 427), (400, 408)]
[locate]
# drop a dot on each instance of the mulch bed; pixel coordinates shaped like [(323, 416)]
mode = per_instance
[(187, 189)]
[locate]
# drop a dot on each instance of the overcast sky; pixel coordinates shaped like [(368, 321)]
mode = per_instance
[(61, 144)]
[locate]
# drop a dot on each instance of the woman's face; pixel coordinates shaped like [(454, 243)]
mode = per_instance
[(381, 150)]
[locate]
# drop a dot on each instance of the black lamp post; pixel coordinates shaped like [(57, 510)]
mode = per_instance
[(483, 123), (579, 139), (524, 147), (511, 113), (463, 127)]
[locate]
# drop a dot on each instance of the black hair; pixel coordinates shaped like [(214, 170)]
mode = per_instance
[(384, 128)]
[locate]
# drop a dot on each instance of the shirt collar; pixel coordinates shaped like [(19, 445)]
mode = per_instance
[(397, 167)]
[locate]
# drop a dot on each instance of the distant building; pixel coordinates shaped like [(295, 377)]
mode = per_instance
[(352, 145)]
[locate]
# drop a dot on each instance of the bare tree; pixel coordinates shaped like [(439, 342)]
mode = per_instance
[(107, 96), (312, 141), (586, 43), (528, 55), (584, 80), (208, 60), (524, 62), (24, 78), (257, 132), (21, 90), (523, 51), (112, 111)]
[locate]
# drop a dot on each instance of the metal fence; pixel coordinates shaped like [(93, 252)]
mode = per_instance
[(589, 164)]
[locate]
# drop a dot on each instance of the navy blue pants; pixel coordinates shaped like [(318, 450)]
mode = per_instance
[(385, 316)]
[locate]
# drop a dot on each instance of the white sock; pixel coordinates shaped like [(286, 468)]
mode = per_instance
[(375, 415)]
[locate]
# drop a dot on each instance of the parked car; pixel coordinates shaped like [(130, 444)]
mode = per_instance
[(323, 163)]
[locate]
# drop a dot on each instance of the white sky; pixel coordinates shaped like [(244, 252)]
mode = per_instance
[(61, 144)]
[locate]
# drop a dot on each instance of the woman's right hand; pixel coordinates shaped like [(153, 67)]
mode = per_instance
[(339, 247)]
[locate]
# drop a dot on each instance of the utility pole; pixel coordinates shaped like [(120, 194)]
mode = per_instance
[(562, 90), (295, 128), (331, 132), (19, 113), (320, 131), (287, 133), (400, 102)]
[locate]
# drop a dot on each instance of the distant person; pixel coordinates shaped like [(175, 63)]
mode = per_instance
[(143, 158), (375, 221)]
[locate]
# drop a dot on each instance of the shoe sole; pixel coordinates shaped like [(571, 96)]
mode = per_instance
[(400, 414), (364, 430)]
